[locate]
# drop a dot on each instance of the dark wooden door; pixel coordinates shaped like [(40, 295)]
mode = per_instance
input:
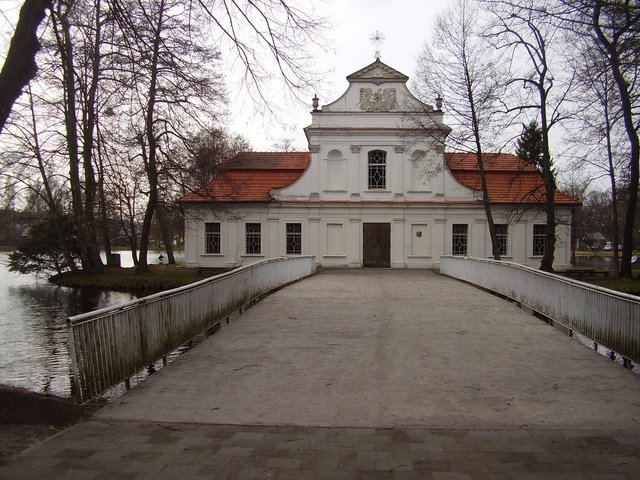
[(376, 245)]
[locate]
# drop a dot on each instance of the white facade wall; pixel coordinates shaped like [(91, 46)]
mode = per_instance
[(421, 200), (334, 234)]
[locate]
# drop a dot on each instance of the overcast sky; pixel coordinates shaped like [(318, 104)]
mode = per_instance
[(405, 24)]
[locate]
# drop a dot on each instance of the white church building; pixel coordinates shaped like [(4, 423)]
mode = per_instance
[(375, 189)]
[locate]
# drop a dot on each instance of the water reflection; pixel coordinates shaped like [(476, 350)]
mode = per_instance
[(33, 336), (153, 257), (593, 261)]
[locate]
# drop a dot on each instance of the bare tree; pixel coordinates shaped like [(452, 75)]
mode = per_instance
[(25, 162), (519, 29), (174, 89), (458, 64), (202, 157), (133, 78), (189, 169), (597, 129), (126, 179), (285, 144), (596, 221), (575, 183), (79, 109), (614, 27), (262, 34), (20, 65)]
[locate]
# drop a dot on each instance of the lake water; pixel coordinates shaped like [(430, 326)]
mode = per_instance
[(33, 329), (594, 261)]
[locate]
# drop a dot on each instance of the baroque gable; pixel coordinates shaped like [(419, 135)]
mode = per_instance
[(377, 72), (376, 88)]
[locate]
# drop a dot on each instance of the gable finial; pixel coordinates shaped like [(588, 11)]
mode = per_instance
[(377, 39)]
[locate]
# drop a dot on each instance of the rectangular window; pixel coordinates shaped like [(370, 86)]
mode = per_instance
[(539, 239), (253, 238), (502, 235), (294, 238), (459, 239), (377, 169), (212, 237)]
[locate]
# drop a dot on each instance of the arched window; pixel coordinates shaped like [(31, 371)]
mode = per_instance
[(377, 169)]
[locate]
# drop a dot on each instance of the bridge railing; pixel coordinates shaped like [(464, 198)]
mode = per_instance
[(607, 317), (110, 345)]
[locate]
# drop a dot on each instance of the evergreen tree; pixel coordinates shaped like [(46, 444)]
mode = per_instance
[(52, 245), (529, 146)]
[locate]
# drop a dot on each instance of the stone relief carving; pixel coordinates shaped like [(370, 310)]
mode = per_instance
[(380, 100)]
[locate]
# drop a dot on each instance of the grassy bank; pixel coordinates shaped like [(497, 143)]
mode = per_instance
[(27, 418), (620, 284), (160, 277)]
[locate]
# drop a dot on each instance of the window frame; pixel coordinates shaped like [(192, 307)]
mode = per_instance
[(377, 165), (539, 240), (291, 237), (503, 239), (256, 246), (212, 239), (455, 235)]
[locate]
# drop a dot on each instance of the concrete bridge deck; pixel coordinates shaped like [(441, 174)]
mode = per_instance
[(366, 374)]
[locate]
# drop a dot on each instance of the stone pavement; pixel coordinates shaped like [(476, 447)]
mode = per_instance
[(366, 374), (132, 450)]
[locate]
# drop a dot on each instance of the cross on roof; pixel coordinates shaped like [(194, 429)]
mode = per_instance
[(377, 39)]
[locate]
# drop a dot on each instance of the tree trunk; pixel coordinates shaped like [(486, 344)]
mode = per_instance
[(486, 201), (546, 264), (626, 105), (89, 255), (143, 265), (102, 198), (51, 203), (149, 152), (574, 238), (88, 131), (133, 242), (104, 220), (20, 65), (614, 194), (166, 236)]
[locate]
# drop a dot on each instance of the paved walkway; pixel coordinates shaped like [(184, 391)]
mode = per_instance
[(366, 374)]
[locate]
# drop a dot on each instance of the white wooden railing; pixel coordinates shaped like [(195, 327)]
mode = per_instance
[(110, 345), (607, 317)]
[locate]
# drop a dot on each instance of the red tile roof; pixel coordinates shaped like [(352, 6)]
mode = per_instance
[(269, 161), (509, 179), (249, 176)]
